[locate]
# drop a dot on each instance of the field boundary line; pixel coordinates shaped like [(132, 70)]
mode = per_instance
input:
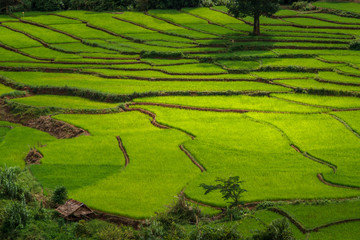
[(222, 110), (239, 19), (56, 128), (192, 158), (306, 230), (122, 148), (302, 103), (15, 50), (179, 25), (311, 157), (346, 125), (45, 44), (290, 218), (316, 18), (292, 145), (155, 30), (318, 79), (151, 114), (213, 23), (322, 179)]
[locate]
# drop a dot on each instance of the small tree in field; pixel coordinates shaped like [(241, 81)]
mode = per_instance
[(253, 8), (229, 188)]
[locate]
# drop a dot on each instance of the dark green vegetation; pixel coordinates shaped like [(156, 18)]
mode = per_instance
[(145, 106)]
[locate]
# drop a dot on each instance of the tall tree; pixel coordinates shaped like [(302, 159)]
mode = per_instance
[(5, 4), (253, 8)]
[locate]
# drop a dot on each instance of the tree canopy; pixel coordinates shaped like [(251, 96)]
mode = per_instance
[(253, 8)]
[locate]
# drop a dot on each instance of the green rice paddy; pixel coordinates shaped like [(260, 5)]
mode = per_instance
[(281, 111)]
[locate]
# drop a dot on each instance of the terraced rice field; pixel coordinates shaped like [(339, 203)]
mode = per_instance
[(147, 105)]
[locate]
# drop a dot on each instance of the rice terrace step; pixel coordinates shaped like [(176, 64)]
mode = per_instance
[(122, 119)]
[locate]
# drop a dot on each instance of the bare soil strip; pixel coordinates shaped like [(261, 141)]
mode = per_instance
[(122, 148), (56, 128), (119, 220), (192, 158), (321, 178), (33, 157)]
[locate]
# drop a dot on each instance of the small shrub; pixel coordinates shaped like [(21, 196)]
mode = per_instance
[(212, 3), (59, 196), (303, 6), (15, 218), (9, 186), (265, 205), (152, 230), (234, 214), (207, 232), (229, 188), (156, 54), (184, 212), (355, 45), (278, 229)]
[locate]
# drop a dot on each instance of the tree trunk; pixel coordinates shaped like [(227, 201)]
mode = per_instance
[(256, 25)]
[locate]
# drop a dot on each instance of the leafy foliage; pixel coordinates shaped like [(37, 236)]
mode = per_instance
[(59, 196), (355, 45), (207, 232), (303, 6), (229, 188), (9, 186), (279, 229), (253, 8), (16, 217)]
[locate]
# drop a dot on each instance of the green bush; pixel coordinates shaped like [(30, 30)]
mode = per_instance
[(152, 230), (9, 187), (156, 54), (48, 5), (15, 218), (59, 196), (265, 205), (278, 229), (184, 212), (355, 45), (207, 232), (235, 213), (212, 3), (303, 6)]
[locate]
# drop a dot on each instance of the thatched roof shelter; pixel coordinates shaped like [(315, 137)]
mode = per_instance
[(73, 210)]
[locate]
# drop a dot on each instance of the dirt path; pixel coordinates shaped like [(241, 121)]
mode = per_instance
[(122, 148), (56, 128), (192, 158)]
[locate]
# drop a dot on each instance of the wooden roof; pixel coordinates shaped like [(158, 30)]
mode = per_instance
[(70, 207)]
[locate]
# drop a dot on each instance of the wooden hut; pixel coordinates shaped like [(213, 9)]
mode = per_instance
[(73, 210)]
